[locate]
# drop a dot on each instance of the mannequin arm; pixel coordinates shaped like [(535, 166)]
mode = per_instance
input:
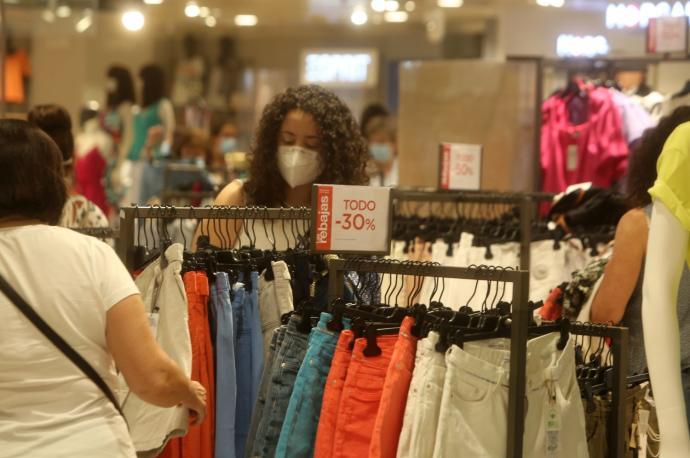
[(666, 250), (127, 118), (167, 114)]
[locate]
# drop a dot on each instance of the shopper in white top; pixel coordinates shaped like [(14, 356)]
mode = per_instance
[(48, 407)]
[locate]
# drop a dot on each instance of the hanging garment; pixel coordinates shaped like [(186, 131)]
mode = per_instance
[(199, 441), (333, 391), (359, 402), (283, 374), (260, 405), (79, 212), (473, 420), (275, 300), (424, 401), (634, 118), (148, 117), (249, 354), (17, 68), (594, 151), (302, 417), (226, 377), (163, 293), (389, 419), (89, 171)]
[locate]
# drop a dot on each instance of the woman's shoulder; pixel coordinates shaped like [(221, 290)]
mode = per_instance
[(232, 194), (632, 227)]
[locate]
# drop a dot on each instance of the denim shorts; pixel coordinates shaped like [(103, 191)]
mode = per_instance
[(298, 434), (283, 374)]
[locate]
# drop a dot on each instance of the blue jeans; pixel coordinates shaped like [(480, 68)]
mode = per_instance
[(249, 355), (151, 181), (226, 382), (283, 373), (302, 418), (276, 342)]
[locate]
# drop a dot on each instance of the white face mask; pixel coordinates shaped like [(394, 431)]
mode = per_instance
[(298, 165)]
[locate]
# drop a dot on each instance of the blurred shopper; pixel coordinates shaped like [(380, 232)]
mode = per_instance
[(117, 121), (373, 110), (153, 131), (226, 151), (79, 212), (380, 134), (77, 285)]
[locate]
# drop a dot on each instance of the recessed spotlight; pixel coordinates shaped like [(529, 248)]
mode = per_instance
[(210, 21), (204, 11), (246, 20), (450, 3), (410, 6), (133, 20), (395, 16), (63, 11), (359, 16), (192, 10), (153, 2), (378, 5), (392, 5)]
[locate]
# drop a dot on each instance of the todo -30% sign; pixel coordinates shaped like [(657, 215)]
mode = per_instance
[(351, 219), (358, 221)]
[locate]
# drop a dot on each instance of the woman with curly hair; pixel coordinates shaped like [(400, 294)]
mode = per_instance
[(619, 298), (306, 135)]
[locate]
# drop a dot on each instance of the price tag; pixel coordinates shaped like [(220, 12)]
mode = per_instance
[(667, 34), (572, 159), (553, 427), (460, 166), (351, 219), (153, 323)]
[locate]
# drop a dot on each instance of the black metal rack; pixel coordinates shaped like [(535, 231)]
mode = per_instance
[(520, 323), (527, 203), (128, 215)]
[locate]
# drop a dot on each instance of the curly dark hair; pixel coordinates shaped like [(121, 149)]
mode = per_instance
[(343, 149), (642, 168)]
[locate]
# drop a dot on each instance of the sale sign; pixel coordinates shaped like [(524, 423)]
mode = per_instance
[(667, 35), (351, 219), (460, 166)]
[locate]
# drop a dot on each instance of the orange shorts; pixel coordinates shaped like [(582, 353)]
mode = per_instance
[(359, 402), (389, 420), (323, 447)]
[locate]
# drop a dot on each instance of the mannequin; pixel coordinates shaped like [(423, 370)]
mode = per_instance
[(667, 250), (667, 246), (190, 74)]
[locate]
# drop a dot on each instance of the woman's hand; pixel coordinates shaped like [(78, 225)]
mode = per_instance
[(196, 403)]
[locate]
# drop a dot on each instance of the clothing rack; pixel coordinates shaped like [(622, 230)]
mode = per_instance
[(518, 332), (98, 232), (520, 324), (527, 203), (128, 215)]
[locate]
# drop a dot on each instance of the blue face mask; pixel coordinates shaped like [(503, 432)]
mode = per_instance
[(228, 145), (381, 152)]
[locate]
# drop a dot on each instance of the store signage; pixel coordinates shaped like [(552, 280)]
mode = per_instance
[(460, 166), (340, 68), (667, 35), (581, 46), (351, 219), (637, 15)]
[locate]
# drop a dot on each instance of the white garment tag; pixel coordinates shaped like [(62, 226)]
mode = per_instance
[(153, 323), (572, 159), (553, 429), (642, 427)]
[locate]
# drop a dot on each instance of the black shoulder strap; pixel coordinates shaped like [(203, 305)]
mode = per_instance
[(58, 341)]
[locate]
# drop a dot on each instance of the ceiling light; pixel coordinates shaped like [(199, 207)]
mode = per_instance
[(204, 11), (544, 2), (192, 10), (359, 16), (395, 16), (450, 3), (211, 21), (557, 3), (246, 20), (63, 11), (85, 22), (392, 5), (133, 20), (378, 5), (153, 2), (93, 105), (48, 16), (410, 6)]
